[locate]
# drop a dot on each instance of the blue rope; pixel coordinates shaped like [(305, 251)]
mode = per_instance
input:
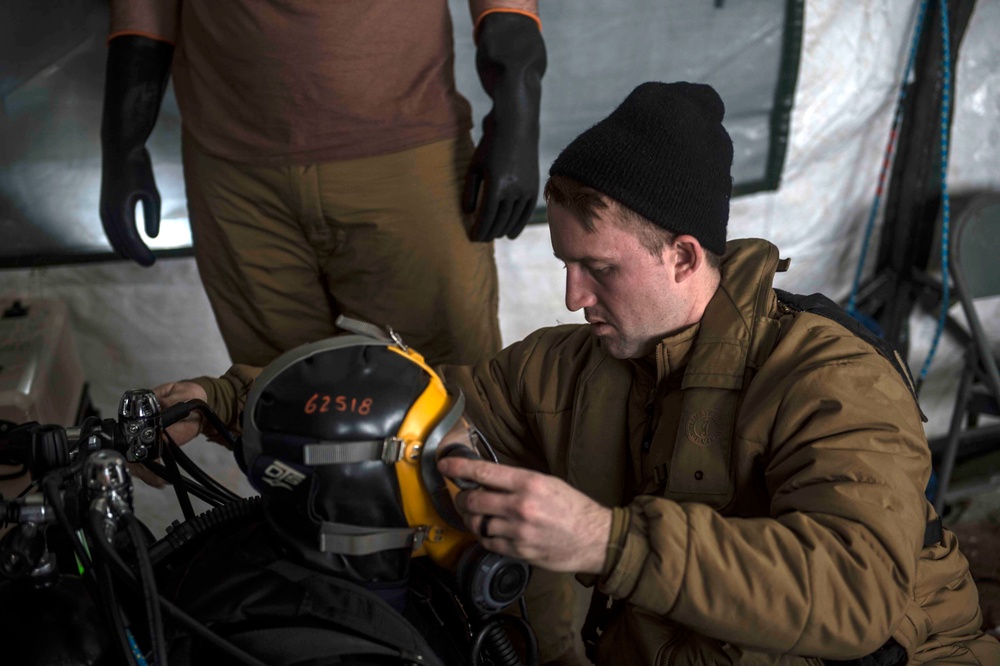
[(887, 160), (945, 199), (136, 652)]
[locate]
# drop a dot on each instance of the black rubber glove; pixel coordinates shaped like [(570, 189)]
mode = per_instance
[(510, 59), (137, 73)]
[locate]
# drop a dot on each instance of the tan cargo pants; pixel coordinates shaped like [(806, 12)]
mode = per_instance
[(282, 251)]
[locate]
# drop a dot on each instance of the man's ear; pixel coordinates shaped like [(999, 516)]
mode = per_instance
[(689, 257)]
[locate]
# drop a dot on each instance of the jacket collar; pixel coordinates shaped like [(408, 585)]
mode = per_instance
[(734, 322), (673, 352)]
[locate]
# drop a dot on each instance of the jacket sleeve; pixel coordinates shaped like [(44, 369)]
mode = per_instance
[(493, 403), (227, 395), (830, 572), (156, 19)]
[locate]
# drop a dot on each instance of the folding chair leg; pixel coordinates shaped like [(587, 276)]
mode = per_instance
[(954, 436)]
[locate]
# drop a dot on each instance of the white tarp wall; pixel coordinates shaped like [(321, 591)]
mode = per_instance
[(139, 327)]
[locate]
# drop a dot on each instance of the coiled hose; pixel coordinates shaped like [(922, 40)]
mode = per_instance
[(180, 535)]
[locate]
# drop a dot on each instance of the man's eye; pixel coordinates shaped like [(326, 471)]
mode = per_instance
[(601, 270)]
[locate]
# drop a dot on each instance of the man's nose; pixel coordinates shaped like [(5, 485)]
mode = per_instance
[(578, 292)]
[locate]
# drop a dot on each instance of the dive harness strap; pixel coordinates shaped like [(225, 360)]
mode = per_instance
[(821, 305)]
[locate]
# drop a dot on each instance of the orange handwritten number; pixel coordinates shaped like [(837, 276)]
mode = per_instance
[(322, 404)]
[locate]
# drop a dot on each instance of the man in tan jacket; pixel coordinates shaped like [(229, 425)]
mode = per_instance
[(739, 471), (741, 475)]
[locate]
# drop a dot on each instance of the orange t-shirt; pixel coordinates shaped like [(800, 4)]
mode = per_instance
[(303, 81)]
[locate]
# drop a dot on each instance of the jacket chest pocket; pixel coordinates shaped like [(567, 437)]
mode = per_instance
[(687, 458)]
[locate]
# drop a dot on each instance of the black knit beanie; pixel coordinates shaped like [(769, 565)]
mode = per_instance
[(665, 154)]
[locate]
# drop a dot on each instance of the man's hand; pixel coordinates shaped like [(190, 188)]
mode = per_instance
[(536, 517), (182, 432), (172, 393)]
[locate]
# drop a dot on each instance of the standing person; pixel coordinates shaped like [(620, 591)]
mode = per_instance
[(738, 471), (328, 162)]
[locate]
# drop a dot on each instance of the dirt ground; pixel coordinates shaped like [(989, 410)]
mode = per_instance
[(980, 541)]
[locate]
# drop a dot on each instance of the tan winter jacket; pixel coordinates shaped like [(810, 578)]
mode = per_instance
[(800, 534)]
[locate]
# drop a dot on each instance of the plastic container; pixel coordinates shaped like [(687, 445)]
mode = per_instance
[(41, 378)]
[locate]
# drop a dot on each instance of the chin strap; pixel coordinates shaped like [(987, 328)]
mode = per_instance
[(345, 539)]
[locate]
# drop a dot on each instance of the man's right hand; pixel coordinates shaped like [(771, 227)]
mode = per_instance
[(536, 517), (138, 69)]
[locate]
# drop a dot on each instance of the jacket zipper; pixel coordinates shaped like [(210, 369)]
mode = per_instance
[(647, 440)]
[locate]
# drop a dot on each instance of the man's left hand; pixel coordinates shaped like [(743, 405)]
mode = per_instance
[(536, 517)]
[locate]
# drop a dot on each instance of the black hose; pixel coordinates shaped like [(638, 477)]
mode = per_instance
[(182, 534), (108, 601), (96, 575), (183, 618), (190, 488), (180, 486), (50, 488), (175, 413), (491, 637), (198, 474), (216, 422), (30, 488), (149, 593), (207, 496), (501, 651)]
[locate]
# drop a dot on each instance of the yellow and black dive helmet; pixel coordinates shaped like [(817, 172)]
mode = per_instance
[(342, 438)]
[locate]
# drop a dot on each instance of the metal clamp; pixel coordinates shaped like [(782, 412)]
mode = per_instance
[(393, 450), (397, 338), (419, 536)]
